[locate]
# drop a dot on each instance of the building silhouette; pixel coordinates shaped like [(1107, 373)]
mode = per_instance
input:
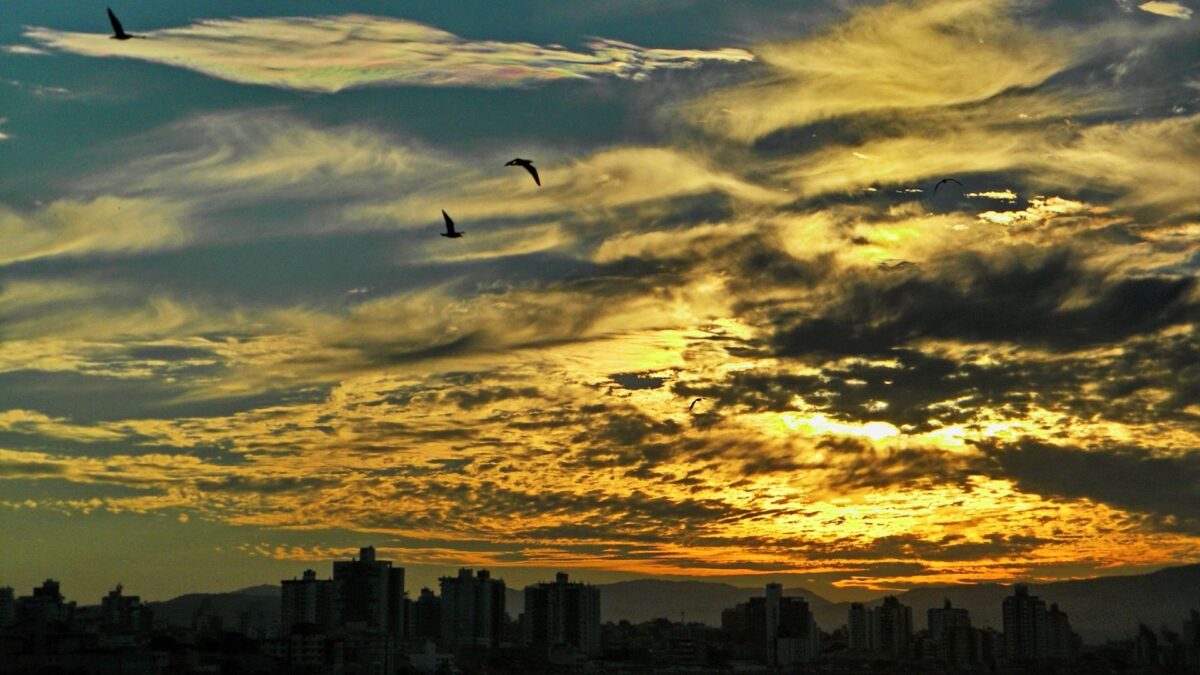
[(1062, 644), (562, 615), (124, 614), (368, 594), (472, 611), (774, 598), (8, 607), (306, 601), (797, 637), (890, 627), (46, 605), (858, 628), (426, 617), (1025, 637), (1145, 646), (954, 640), (947, 617), (774, 629)]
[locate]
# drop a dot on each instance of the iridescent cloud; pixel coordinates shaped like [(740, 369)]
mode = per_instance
[(329, 54)]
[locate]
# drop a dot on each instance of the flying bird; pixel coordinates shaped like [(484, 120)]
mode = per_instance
[(693, 405), (450, 231), (118, 31), (945, 180), (528, 164)]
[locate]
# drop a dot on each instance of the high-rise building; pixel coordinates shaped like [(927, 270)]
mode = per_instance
[(953, 638), (1145, 646), (891, 627), (1024, 626), (472, 609), (563, 614), (306, 601), (122, 613), (1191, 638), (8, 606), (774, 596), (1191, 628), (797, 638), (858, 627), (773, 628), (426, 621), (1062, 644), (745, 625), (368, 594), (947, 616)]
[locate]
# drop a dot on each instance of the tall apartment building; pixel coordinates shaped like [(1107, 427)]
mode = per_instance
[(1024, 626), (307, 601), (368, 594), (472, 611), (562, 614)]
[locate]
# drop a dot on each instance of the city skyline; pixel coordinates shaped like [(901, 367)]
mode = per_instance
[(852, 296), (361, 620), (308, 596)]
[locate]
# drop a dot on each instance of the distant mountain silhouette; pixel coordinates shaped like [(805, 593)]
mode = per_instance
[(1103, 608), (261, 602), (645, 599), (1100, 609), (262, 589)]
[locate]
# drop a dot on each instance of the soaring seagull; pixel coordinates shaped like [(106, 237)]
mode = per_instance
[(119, 32), (528, 164), (693, 405), (945, 180), (450, 231)]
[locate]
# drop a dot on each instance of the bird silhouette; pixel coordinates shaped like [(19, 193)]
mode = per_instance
[(693, 405), (118, 31), (945, 180), (450, 231), (528, 164)]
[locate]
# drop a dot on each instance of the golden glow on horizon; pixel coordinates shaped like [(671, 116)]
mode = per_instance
[(970, 416)]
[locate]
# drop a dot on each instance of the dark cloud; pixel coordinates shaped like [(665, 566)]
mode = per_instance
[(1040, 299), (1165, 488), (10, 469), (267, 485), (471, 399), (907, 467), (637, 380)]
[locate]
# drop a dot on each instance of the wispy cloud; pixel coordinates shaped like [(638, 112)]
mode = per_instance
[(329, 54), (102, 225), (1171, 9), (893, 56), (23, 49)]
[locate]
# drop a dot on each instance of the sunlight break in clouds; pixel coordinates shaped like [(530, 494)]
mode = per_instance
[(1171, 9), (329, 54)]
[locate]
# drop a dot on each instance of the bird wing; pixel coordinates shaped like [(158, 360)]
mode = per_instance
[(112, 18), (533, 172), (449, 223)]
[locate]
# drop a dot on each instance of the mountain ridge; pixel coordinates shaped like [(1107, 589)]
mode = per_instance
[(1100, 608)]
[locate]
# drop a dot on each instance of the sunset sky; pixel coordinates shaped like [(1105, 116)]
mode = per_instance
[(233, 345)]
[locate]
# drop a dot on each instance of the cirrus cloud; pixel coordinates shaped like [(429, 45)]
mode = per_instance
[(329, 54)]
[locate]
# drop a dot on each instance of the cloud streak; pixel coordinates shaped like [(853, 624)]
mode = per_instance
[(329, 54), (1169, 9)]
